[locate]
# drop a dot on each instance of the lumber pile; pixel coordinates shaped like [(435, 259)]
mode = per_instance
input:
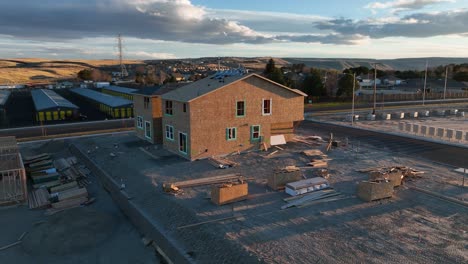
[(283, 176), (318, 158), (176, 187), (312, 198), (59, 184), (307, 185), (229, 193), (38, 199), (395, 174), (222, 162), (309, 140), (374, 190)]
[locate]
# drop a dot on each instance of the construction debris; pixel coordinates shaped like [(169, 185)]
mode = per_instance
[(222, 162), (375, 190), (394, 174), (281, 177), (59, 184), (229, 193), (177, 186), (302, 200), (305, 186)]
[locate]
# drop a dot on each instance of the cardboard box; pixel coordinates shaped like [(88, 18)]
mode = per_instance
[(229, 193), (371, 191)]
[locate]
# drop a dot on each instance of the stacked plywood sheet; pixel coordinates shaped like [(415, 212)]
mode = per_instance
[(228, 178), (312, 198), (318, 158), (376, 190), (305, 186), (229, 193), (280, 178), (39, 199)]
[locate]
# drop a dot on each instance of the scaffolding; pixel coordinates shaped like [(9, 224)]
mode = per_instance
[(13, 189)]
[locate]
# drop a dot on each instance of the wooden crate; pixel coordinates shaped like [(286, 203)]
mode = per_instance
[(229, 193), (371, 191), (395, 177), (278, 180)]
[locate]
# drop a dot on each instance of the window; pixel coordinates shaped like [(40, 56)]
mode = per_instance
[(240, 108), (183, 142), (168, 107), (255, 133), (140, 122), (148, 129), (266, 106), (169, 132), (231, 133), (184, 107), (146, 102)]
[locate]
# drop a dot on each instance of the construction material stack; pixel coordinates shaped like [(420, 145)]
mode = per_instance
[(229, 193), (281, 177)]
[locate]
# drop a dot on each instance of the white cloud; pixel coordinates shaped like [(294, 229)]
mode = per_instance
[(400, 5), (152, 55)]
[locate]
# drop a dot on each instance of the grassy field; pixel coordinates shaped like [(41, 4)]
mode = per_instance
[(14, 71)]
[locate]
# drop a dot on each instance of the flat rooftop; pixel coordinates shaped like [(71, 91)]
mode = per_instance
[(109, 100), (120, 89), (411, 227), (47, 99), (4, 95)]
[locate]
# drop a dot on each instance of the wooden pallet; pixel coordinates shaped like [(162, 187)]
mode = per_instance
[(39, 199)]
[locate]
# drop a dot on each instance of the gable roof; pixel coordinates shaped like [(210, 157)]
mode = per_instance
[(159, 90), (210, 84)]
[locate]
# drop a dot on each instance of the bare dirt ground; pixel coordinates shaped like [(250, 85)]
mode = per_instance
[(98, 233), (412, 227)]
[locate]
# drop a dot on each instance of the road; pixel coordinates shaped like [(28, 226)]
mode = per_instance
[(447, 154), (67, 129)]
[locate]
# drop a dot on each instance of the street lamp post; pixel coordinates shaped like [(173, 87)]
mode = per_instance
[(375, 88)]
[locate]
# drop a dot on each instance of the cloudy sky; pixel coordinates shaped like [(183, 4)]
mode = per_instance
[(161, 29)]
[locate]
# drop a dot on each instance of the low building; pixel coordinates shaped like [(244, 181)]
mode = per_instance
[(49, 106), (123, 92), (112, 106), (4, 97), (228, 112)]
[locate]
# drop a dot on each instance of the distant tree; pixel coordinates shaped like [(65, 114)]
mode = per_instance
[(139, 78), (461, 76), (313, 84), (273, 73), (150, 79), (86, 74), (270, 67), (358, 70), (345, 86)]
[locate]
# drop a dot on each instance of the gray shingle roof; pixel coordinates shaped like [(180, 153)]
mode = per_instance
[(204, 86), (109, 100), (119, 89), (4, 95), (48, 99)]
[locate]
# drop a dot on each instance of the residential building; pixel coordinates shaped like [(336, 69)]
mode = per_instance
[(147, 106), (228, 112)]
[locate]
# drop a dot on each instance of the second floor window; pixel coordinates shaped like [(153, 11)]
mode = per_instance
[(240, 108), (168, 107), (266, 107), (231, 133)]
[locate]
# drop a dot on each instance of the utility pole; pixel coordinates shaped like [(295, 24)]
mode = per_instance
[(425, 80), (445, 86), (352, 112), (375, 88)]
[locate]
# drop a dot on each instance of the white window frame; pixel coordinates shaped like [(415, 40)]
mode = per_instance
[(263, 106), (140, 122), (170, 132), (146, 131)]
